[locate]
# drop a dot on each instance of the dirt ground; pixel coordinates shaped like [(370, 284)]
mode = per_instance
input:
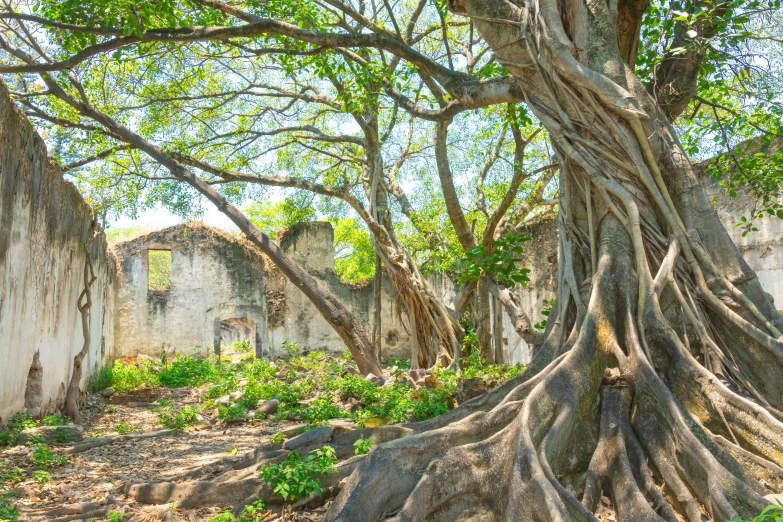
[(96, 476)]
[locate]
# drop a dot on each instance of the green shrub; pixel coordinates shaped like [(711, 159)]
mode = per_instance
[(44, 457), (61, 435), (291, 347), (126, 377), (8, 511), (117, 516), (250, 513), (124, 428), (54, 420), (173, 418), (295, 477), (226, 413), (362, 446), (278, 438), (241, 346), (42, 478)]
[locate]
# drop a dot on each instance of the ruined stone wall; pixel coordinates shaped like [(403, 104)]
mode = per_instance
[(215, 278), (762, 249), (43, 224), (221, 285)]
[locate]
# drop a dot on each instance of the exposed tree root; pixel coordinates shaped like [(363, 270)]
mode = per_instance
[(105, 441)]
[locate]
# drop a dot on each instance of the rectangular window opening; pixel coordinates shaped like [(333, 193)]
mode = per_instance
[(159, 270)]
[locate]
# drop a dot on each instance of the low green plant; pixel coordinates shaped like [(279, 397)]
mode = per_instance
[(61, 435), (278, 438), (241, 346), (44, 457), (117, 516), (8, 511), (291, 347), (772, 513), (227, 413), (19, 422), (362, 446), (124, 428), (111, 409), (10, 475), (42, 477), (297, 477), (54, 420), (126, 377), (173, 418), (250, 513)]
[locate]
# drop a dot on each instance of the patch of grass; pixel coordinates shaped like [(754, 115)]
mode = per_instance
[(297, 477)]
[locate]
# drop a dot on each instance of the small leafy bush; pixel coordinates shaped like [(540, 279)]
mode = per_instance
[(362, 446), (54, 420), (12, 475), (8, 511), (19, 422), (42, 478), (173, 418), (291, 347), (227, 413), (126, 377), (124, 428), (117, 516), (241, 346), (44, 457), (295, 477), (278, 438), (250, 513)]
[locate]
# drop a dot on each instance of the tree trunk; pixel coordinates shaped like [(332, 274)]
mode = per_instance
[(72, 395), (615, 402)]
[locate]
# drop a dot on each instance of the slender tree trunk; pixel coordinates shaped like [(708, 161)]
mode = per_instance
[(83, 304)]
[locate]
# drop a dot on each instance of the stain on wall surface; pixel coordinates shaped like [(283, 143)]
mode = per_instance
[(43, 223)]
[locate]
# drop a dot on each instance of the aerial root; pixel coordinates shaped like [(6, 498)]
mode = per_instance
[(619, 467), (104, 441)]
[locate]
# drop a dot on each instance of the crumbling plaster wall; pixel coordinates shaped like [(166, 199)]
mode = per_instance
[(312, 246), (43, 224), (762, 249), (214, 277)]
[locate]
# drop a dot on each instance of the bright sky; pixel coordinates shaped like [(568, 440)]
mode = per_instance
[(161, 218)]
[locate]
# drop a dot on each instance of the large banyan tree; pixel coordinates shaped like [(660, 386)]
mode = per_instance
[(658, 380)]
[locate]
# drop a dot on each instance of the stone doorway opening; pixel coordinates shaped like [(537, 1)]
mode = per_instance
[(238, 335)]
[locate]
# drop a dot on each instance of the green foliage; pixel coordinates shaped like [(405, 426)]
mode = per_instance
[(772, 513), (500, 262), (291, 347), (295, 477), (250, 513), (354, 258), (126, 377), (541, 325), (175, 418), (42, 478), (117, 516), (278, 438), (159, 270), (54, 420), (362, 446), (187, 370), (275, 216), (19, 422), (8, 511), (44, 457), (124, 428), (241, 345), (227, 413)]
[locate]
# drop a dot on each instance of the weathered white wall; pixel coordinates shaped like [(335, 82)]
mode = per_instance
[(43, 221), (214, 276), (762, 250)]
